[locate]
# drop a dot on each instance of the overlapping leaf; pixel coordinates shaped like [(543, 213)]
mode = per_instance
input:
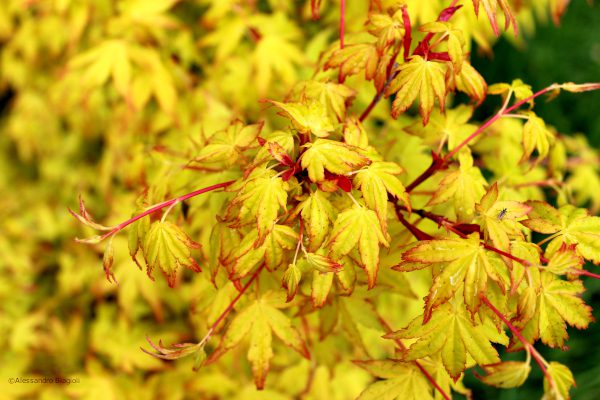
[(499, 218), (167, 247), (359, 228), (568, 224), (451, 333), (465, 264), (465, 186), (259, 201), (259, 321), (375, 182), (335, 157), (422, 78), (398, 380)]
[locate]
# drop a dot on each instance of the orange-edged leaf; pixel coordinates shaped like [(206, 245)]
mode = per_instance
[(421, 78), (397, 380), (469, 81), (559, 305), (466, 265), (167, 247), (359, 228), (375, 182), (490, 7), (499, 218), (321, 286), (562, 381), (508, 374), (353, 59), (317, 214), (311, 118), (335, 157), (291, 280), (259, 201), (570, 225), (452, 334)]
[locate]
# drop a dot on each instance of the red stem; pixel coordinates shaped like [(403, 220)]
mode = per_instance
[(438, 164), (342, 22), (536, 356), (232, 304), (495, 118), (163, 205), (584, 272), (416, 232)]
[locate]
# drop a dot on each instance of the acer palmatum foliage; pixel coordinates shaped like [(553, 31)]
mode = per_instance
[(402, 243)]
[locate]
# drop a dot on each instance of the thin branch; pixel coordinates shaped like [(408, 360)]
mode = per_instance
[(584, 273), (534, 353), (153, 209), (189, 348), (230, 306), (440, 163), (416, 232)]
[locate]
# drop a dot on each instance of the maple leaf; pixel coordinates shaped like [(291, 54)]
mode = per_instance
[(468, 81), (490, 7), (108, 59), (465, 186), (418, 77), (516, 87), (321, 263), (226, 146), (280, 238), (451, 333), (451, 127), (259, 321), (375, 182), (226, 37), (336, 97), (291, 280), (355, 133), (466, 264), (167, 247), (557, 304), (507, 374), (565, 260), (321, 286), (387, 29), (536, 136), (311, 118), (275, 52), (338, 158), (568, 224), (499, 218), (271, 251), (562, 381), (317, 215), (359, 226), (259, 201), (398, 380), (353, 59), (224, 242), (454, 37)]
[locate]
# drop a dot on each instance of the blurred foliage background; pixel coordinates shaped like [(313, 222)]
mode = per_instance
[(64, 131)]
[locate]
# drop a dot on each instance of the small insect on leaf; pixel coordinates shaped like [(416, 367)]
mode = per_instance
[(502, 214)]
